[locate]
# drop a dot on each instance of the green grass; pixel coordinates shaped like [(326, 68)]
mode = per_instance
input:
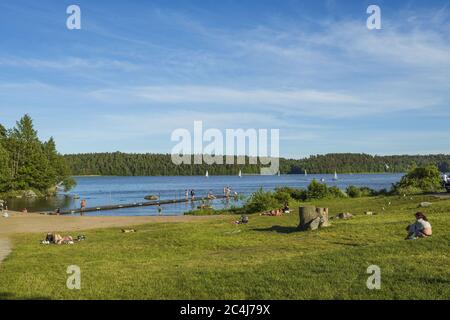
[(266, 259)]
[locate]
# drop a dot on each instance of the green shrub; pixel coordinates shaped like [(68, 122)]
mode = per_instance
[(294, 193), (317, 190), (335, 192), (261, 201), (299, 194), (367, 192), (353, 192), (357, 192), (282, 196), (420, 180)]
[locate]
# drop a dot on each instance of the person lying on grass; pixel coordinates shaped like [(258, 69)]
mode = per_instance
[(273, 213), (57, 239), (419, 229)]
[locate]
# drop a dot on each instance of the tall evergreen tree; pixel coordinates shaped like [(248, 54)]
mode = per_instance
[(5, 174), (27, 163), (59, 171), (31, 168)]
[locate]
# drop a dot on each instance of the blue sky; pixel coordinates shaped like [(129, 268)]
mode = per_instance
[(137, 70)]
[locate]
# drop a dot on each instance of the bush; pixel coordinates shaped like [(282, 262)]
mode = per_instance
[(261, 201), (294, 193), (353, 192), (367, 192), (357, 192), (335, 192), (282, 196), (317, 190), (299, 194), (419, 180)]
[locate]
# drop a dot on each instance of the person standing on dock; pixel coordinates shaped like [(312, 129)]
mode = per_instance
[(82, 206), (187, 194), (192, 195), (159, 209)]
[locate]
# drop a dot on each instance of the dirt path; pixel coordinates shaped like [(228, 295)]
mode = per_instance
[(32, 222), (5, 248)]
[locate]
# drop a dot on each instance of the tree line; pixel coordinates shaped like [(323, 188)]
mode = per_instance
[(26, 163), (126, 164)]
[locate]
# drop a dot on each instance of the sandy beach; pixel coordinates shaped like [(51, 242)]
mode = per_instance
[(33, 222)]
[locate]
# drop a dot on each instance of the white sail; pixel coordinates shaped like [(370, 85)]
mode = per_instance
[(306, 173), (335, 176), (207, 174), (240, 174)]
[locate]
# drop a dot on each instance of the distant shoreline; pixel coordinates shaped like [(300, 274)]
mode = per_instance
[(230, 175)]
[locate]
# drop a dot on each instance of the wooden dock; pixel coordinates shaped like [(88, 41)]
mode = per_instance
[(132, 205)]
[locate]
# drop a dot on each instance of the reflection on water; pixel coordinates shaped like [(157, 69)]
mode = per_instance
[(42, 204), (100, 191)]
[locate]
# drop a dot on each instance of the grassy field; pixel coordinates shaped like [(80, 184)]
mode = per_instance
[(266, 259)]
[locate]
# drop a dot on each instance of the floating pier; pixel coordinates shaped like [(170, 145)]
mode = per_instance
[(132, 205)]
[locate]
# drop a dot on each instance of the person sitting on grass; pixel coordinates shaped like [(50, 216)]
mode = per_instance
[(243, 220), (286, 208), (419, 229)]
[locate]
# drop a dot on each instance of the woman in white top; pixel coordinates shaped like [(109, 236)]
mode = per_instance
[(420, 229)]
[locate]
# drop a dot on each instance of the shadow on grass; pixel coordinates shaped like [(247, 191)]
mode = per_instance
[(10, 296), (279, 229)]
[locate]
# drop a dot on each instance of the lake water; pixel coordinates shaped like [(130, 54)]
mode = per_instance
[(108, 190)]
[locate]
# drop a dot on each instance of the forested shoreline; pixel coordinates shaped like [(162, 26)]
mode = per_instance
[(126, 164), (30, 167)]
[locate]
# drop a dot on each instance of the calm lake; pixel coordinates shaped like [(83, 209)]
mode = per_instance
[(122, 190)]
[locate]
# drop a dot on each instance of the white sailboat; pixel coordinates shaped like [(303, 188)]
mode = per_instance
[(335, 176), (306, 173), (240, 174), (278, 173), (207, 174)]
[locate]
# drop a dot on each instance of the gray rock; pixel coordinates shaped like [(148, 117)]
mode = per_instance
[(344, 215), (425, 204)]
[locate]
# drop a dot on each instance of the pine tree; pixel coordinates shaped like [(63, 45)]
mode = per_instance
[(58, 171), (5, 174), (31, 167)]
